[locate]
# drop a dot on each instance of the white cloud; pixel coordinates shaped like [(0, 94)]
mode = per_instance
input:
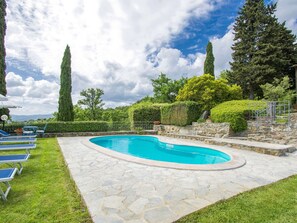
[(109, 40), (286, 11), (34, 96)]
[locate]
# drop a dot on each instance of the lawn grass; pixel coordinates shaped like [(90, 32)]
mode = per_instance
[(275, 203), (44, 192)]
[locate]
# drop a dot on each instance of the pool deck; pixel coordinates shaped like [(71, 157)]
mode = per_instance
[(120, 191)]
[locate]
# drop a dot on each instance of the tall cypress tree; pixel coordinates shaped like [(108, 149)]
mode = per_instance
[(209, 60), (65, 111), (2, 47), (263, 48)]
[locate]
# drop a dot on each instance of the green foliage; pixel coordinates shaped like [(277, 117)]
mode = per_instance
[(235, 112), (208, 92), (165, 89), (3, 90), (56, 127), (279, 90), (263, 48), (140, 114), (65, 110), (209, 60), (180, 113), (93, 102)]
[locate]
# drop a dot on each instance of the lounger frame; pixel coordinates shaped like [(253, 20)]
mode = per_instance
[(15, 163), (5, 181)]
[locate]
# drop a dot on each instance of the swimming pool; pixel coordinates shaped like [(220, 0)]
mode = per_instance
[(148, 147)]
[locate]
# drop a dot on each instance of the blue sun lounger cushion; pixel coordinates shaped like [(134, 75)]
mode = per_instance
[(26, 147), (16, 160), (6, 175), (17, 140)]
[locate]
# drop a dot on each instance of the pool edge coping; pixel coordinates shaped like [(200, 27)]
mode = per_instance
[(235, 162)]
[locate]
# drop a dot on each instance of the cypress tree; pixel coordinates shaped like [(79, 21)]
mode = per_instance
[(2, 47), (263, 48), (65, 111), (209, 60)]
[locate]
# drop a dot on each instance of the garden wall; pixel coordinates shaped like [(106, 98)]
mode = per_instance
[(201, 129)]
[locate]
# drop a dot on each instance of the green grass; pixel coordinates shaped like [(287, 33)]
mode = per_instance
[(275, 203), (44, 192)]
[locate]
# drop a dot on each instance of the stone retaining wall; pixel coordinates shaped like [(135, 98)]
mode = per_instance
[(218, 130)]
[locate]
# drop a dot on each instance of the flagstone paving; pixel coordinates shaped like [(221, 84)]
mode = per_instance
[(117, 191)]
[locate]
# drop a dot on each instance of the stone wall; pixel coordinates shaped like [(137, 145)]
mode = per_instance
[(201, 129), (277, 133)]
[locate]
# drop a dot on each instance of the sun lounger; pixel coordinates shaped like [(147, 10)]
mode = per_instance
[(26, 147), (17, 140), (6, 175), (4, 134), (16, 160)]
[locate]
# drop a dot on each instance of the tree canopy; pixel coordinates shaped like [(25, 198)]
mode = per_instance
[(92, 102), (209, 60), (208, 92), (165, 89), (263, 48), (2, 47), (65, 110)]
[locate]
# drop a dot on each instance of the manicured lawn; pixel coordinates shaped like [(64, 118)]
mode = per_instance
[(274, 203), (44, 192)]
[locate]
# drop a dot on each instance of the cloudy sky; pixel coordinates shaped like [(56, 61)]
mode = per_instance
[(116, 45)]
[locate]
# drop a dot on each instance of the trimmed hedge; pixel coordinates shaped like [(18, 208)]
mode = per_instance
[(53, 127), (180, 113), (236, 112), (144, 114)]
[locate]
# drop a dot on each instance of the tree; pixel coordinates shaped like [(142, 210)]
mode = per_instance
[(165, 89), (2, 47), (92, 101), (263, 48), (3, 90), (208, 92), (279, 90), (209, 60), (65, 110)]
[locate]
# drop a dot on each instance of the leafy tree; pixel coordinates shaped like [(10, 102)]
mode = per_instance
[(65, 111), (263, 48), (279, 90), (208, 92), (118, 114), (209, 60), (81, 114), (2, 47), (92, 101), (165, 89)]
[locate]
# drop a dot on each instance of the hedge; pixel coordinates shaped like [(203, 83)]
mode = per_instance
[(53, 127), (142, 115), (236, 112), (180, 113)]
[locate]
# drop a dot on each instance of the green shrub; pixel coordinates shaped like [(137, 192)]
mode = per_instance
[(180, 113), (143, 115), (235, 112), (53, 127)]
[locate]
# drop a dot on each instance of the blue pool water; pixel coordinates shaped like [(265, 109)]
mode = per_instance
[(149, 147)]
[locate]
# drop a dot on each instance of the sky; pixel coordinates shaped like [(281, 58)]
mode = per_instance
[(117, 46)]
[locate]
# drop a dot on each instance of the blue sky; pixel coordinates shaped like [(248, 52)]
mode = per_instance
[(118, 46)]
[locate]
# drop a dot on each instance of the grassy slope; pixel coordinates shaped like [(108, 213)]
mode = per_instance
[(274, 203), (44, 192)]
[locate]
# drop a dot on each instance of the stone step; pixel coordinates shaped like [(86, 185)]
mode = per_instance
[(260, 147)]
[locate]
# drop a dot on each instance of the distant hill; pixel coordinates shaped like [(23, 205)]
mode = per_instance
[(22, 118)]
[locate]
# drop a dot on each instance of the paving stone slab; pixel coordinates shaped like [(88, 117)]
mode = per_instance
[(117, 191)]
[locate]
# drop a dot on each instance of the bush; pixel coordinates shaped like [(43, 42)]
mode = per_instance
[(53, 127), (144, 114), (180, 113), (235, 112)]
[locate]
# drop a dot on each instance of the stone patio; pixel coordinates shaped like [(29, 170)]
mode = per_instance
[(119, 191)]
